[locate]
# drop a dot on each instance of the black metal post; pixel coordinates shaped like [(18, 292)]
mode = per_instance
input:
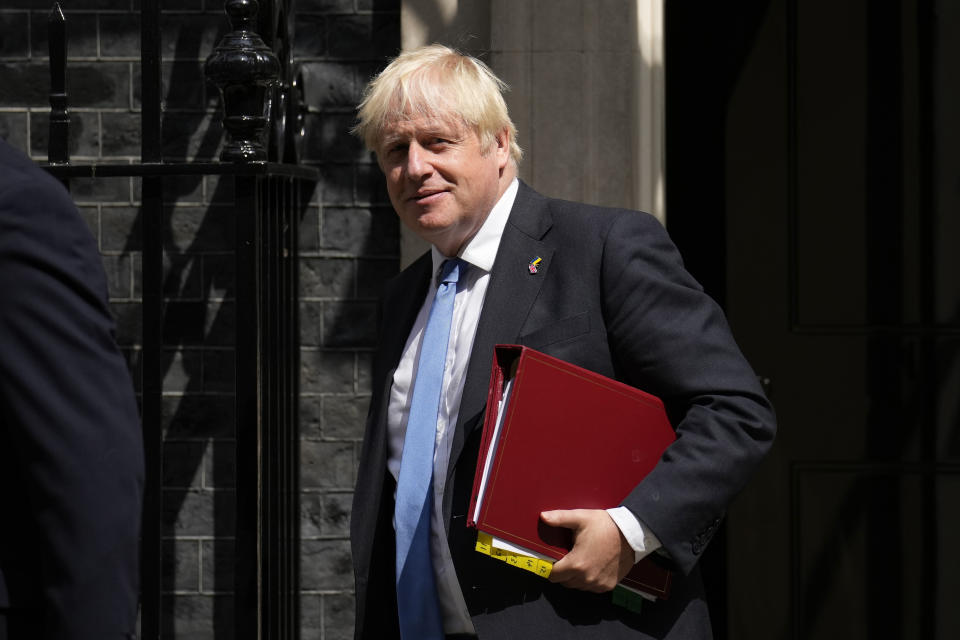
[(150, 92), (291, 398), (151, 540), (928, 357), (151, 212), (248, 580), (267, 548), (58, 151)]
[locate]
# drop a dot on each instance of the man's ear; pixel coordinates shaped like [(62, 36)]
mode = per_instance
[(502, 149)]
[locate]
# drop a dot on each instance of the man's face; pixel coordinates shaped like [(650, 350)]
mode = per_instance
[(441, 180)]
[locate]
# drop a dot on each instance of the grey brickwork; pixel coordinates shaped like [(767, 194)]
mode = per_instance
[(348, 242)]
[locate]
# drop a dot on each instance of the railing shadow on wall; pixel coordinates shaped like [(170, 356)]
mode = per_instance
[(261, 193)]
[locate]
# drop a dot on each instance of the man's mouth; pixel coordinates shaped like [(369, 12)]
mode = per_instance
[(427, 196)]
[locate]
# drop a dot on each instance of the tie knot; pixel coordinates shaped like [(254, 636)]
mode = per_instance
[(451, 270)]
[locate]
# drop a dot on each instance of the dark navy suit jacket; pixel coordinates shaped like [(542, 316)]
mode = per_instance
[(71, 457), (611, 295)]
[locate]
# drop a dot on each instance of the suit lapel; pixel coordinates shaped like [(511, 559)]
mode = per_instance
[(402, 299), (510, 295), (401, 303)]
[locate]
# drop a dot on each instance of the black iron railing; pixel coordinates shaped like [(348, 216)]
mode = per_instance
[(261, 105)]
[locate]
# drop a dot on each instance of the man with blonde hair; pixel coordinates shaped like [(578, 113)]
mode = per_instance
[(602, 288)]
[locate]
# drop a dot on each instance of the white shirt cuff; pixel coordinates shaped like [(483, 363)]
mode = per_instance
[(639, 537)]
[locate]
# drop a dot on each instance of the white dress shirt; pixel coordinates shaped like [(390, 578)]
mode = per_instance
[(480, 253)]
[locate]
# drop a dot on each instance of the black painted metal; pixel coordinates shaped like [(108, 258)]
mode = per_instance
[(284, 138), (267, 439), (58, 151), (151, 146), (245, 70), (170, 169), (151, 384), (268, 200), (248, 583), (151, 565), (886, 289), (927, 352)]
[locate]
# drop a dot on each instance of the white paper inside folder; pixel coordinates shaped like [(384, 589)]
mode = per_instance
[(520, 551), (492, 449)]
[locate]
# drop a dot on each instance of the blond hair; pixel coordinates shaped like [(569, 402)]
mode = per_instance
[(438, 82)]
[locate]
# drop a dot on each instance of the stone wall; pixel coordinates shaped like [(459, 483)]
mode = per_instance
[(348, 244)]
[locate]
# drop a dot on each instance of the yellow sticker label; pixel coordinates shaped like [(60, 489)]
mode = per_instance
[(544, 568), (528, 563), (484, 543)]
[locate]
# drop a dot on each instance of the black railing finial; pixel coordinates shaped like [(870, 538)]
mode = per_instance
[(57, 146), (244, 68)]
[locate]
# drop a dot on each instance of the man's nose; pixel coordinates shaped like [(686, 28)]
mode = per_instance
[(418, 161)]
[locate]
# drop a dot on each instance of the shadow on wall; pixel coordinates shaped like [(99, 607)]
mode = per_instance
[(198, 365), (199, 327)]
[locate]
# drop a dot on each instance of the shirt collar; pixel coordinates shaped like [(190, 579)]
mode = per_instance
[(481, 250)]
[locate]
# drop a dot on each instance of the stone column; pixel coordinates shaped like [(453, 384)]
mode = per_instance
[(587, 90), (587, 96)]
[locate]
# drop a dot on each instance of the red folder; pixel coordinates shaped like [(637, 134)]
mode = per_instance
[(569, 439)]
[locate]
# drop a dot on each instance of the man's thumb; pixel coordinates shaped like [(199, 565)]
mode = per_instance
[(559, 518)]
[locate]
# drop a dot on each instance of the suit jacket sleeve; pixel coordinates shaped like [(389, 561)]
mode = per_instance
[(69, 413), (668, 337)]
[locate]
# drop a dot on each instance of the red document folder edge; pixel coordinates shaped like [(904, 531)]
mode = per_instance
[(570, 439)]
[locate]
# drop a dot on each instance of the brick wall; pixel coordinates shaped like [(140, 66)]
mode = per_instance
[(348, 243)]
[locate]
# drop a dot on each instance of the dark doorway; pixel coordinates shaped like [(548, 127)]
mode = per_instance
[(813, 172)]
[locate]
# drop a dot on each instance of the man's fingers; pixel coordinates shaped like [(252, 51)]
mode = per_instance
[(592, 563), (567, 572), (576, 571), (571, 569)]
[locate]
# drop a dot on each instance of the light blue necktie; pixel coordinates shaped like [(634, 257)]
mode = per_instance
[(417, 601)]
